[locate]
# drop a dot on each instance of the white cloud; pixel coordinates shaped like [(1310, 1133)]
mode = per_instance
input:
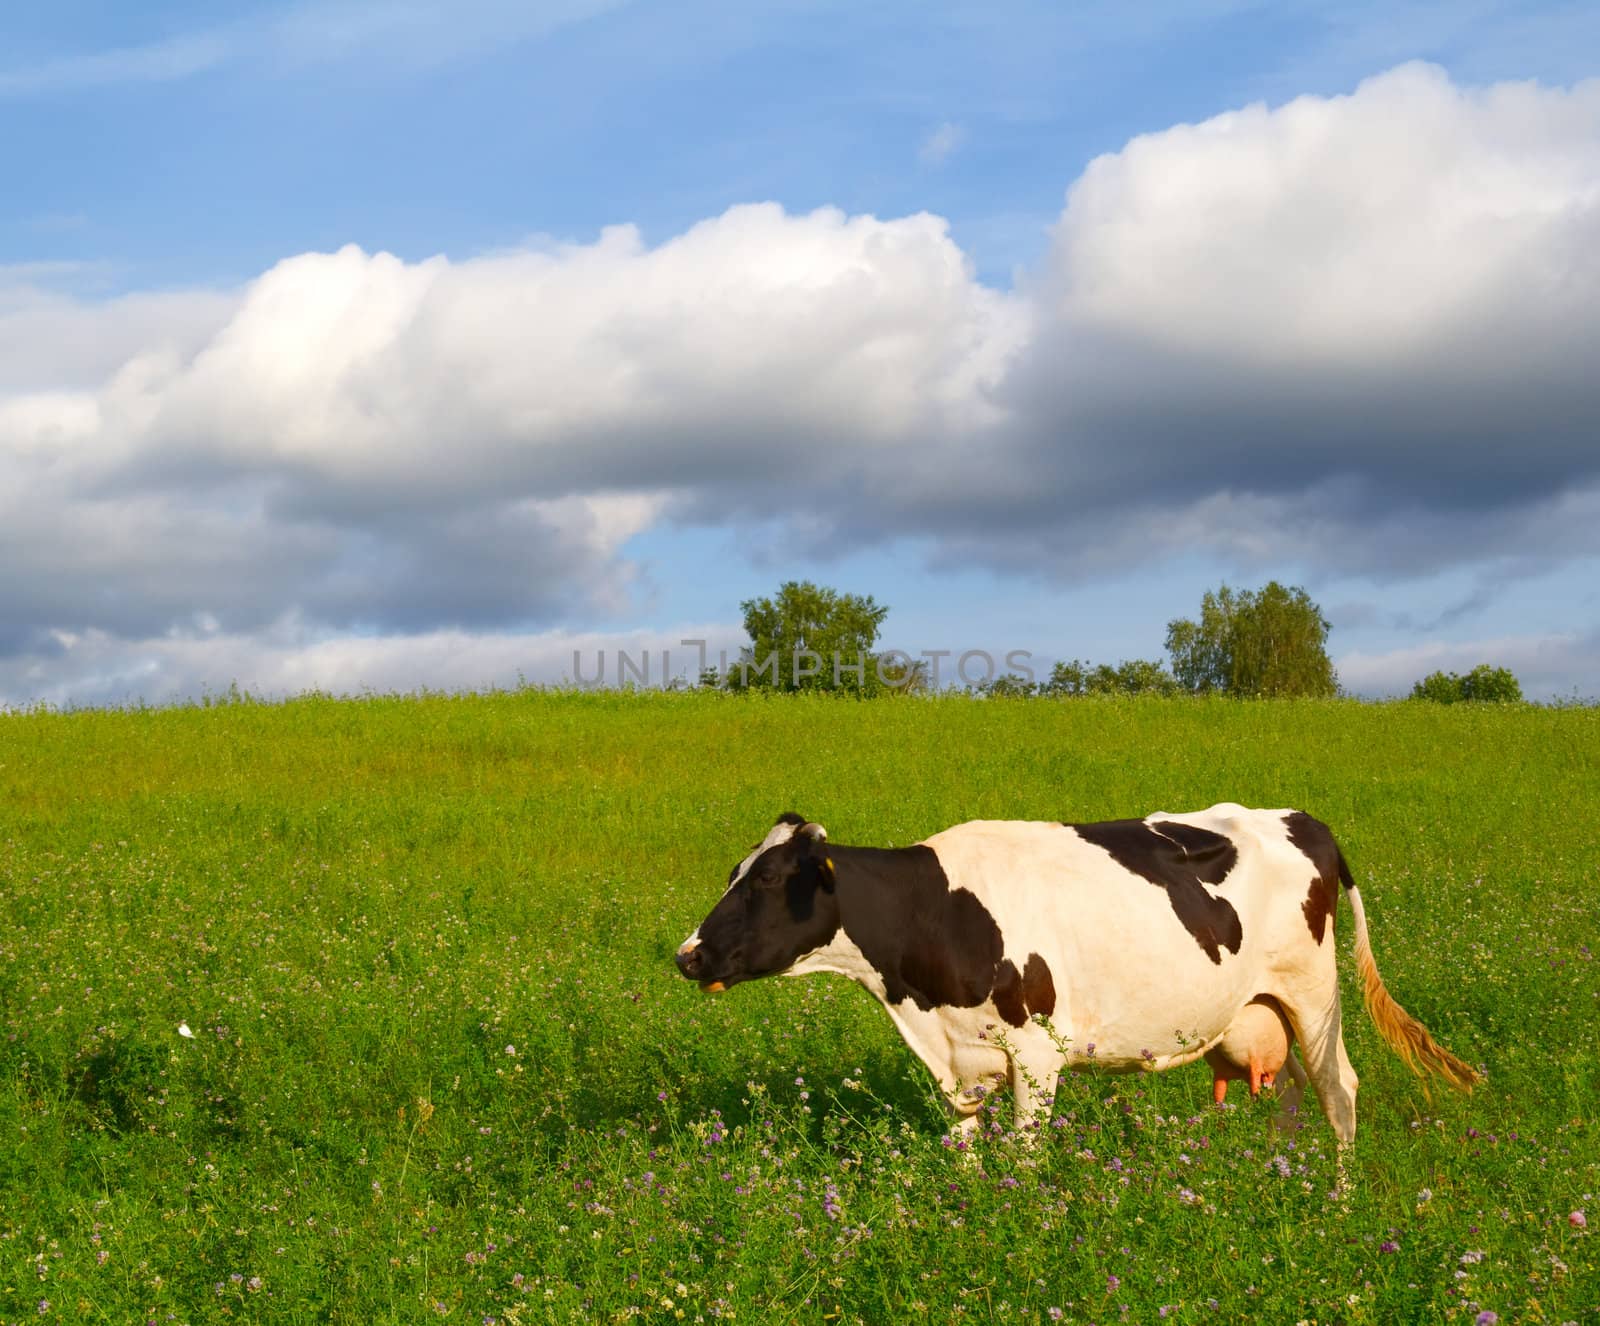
[(1341, 310), (377, 444), (1345, 230), (939, 145), (579, 365), (50, 340)]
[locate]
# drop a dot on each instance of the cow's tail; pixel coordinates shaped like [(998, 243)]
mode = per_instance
[(1406, 1036)]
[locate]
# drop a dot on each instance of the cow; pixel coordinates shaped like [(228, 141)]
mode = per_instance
[(1015, 950)]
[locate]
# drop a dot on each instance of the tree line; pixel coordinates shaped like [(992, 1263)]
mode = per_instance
[(1269, 642)]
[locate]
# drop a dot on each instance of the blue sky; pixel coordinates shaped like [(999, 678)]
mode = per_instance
[(1327, 337)]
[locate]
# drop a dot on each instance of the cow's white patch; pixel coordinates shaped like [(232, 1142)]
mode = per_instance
[(779, 833)]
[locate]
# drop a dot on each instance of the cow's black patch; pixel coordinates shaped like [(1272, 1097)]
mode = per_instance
[(1316, 841), (1008, 998), (932, 944), (1038, 988), (1181, 859), (1018, 997)]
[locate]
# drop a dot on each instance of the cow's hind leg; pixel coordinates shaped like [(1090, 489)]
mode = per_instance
[(1317, 1028)]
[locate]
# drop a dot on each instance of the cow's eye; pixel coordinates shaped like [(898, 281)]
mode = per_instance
[(767, 877)]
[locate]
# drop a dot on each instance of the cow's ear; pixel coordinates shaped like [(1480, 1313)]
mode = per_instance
[(815, 838), (789, 817)]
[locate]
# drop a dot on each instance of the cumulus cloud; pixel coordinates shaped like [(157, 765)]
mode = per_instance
[(382, 446), (1349, 333), (752, 336), (52, 340), (1354, 312)]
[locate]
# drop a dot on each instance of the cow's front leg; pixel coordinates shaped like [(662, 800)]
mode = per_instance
[(964, 1104), (967, 1067), (1034, 1071)]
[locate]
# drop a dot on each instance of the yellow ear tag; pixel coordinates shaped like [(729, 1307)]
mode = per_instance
[(828, 860)]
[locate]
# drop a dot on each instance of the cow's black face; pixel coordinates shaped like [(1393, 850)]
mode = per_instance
[(781, 908)]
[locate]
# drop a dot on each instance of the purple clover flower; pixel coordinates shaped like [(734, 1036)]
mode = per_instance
[(830, 1202)]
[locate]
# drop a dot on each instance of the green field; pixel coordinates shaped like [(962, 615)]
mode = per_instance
[(442, 1065)]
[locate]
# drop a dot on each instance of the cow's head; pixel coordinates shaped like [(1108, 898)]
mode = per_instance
[(779, 906)]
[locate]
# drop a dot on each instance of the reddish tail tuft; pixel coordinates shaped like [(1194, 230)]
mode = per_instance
[(1406, 1036)]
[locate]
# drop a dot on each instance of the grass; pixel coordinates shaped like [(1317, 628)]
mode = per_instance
[(442, 1064)]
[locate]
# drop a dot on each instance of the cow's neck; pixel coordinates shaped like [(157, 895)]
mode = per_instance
[(878, 891)]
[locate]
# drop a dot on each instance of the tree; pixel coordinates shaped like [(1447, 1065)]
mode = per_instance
[(1440, 687), (1009, 686), (1266, 642), (1142, 676), (1489, 685), (1483, 685), (812, 638), (1068, 677), (1135, 676)]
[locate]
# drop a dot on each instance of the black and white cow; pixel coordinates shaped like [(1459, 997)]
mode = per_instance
[(1141, 942)]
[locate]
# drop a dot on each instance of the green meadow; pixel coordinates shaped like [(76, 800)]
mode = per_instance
[(441, 1065)]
